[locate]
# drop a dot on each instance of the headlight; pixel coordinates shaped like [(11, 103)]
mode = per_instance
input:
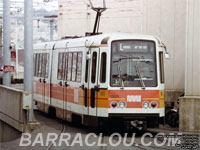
[(153, 104), (122, 104), (145, 104), (113, 104)]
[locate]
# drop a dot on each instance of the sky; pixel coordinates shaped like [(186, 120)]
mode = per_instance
[(17, 6)]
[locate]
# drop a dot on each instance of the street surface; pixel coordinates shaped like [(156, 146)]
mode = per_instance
[(49, 125), (78, 137)]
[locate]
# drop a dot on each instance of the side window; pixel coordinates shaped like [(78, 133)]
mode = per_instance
[(43, 64), (40, 65), (94, 63), (63, 66), (103, 68), (47, 66), (79, 67), (69, 68), (60, 60), (74, 66), (66, 65), (162, 77), (37, 65), (86, 71), (34, 63)]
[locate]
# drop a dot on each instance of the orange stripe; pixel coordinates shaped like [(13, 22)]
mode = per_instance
[(103, 98)]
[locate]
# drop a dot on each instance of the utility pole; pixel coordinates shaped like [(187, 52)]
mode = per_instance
[(28, 51), (6, 41), (16, 48)]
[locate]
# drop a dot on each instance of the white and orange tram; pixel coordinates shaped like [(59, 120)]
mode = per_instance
[(101, 77)]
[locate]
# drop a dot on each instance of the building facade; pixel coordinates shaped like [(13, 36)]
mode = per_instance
[(169, 20), (165, 19)]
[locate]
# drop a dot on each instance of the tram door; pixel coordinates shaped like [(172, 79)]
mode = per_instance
[(67, 61), (61, 83), (46, 80), (43, 74), (91, 76)]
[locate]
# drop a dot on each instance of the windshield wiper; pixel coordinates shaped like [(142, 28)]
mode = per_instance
[(139, 74), (120, 75)]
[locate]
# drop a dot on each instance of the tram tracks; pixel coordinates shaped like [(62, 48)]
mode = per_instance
[(62, 130), (136, 145)]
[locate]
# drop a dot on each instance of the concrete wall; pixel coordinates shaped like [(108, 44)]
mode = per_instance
[(13, 105), (189, 116), (189, 120), (192, 71), (8, 133), (165, 19)]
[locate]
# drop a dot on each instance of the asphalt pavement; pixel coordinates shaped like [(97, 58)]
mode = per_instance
[(78, 137)]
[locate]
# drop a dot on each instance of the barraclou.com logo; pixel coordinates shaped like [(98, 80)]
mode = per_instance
[(115, 139)]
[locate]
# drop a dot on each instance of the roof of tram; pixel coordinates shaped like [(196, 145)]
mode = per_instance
[(91, 41)]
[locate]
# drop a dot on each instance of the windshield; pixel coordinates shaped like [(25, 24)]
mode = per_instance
[(133, 64)]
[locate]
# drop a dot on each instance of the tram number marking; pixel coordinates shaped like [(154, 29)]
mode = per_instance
[(134, 98)]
